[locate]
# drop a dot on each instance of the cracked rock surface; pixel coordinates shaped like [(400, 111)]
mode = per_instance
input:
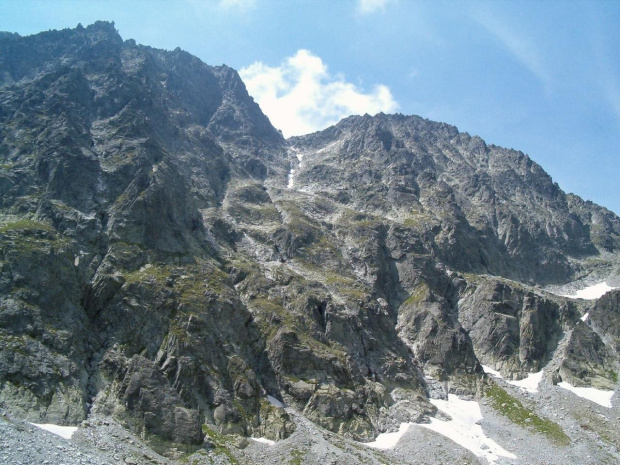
[(172, 270)]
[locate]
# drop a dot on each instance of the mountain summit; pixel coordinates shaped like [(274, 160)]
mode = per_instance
[(171, 264)]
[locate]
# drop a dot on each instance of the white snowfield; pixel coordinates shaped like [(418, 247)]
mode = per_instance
[(599, 396), (591, 292), (269, 442), (62, 431), (389, 440), (462, 429), (529, 383)]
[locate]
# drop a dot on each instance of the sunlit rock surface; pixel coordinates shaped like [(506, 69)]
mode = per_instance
[(170, 262)]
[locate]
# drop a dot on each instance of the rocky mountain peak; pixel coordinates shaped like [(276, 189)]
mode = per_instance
[(170, 263), (497, 198), (26, 57)]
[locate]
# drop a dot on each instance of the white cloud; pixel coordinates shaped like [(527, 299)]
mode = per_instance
[(300, 96), (524, 50), (238, 4), (370, 6)]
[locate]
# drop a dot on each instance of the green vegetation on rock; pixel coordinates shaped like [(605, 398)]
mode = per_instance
[(516, 412), (222, 443), (26, 224), (297, 457), (421, 293)]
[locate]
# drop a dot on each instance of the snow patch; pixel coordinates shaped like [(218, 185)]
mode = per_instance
[(291, 178), (291, 174), (269, 442), (464, 428), (62, 431), (491, 371), (389, 440), (599, 396), (529, 383), (591, 292), (585, 317), (76, 261), (275, 402)]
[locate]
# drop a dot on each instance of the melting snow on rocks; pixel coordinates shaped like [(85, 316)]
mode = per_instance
[(599, 396), (529, 383), (462, 429), (389, 440), (62, 431), (291, 175), (269, 442), (591, 292)]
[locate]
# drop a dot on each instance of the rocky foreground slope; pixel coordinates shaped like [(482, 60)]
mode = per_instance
[(170, 264)]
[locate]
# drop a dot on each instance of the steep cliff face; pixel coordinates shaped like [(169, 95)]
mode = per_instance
[(112, 157), (162, 263)]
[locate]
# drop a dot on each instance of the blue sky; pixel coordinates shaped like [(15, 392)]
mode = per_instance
[(540, 77)]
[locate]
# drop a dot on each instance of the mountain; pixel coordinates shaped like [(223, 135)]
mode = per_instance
[(171, 264)]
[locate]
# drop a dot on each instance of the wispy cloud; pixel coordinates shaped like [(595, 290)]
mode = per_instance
[(371, 6), (301, 96), (522, 48)]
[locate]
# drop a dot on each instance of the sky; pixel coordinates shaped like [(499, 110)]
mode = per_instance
[(540, 77)]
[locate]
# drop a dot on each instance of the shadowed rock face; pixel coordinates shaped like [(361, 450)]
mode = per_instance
[(155, 267), (587, 362), (605, 319)]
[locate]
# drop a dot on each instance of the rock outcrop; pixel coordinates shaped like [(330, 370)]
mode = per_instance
[(156, 267)]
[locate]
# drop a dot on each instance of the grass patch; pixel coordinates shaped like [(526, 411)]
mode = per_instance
[(297, 457), (254, 214), (514, 410), (334, 278), (191, 281), (220, 443), (346, 286), (148, 273), (421, 292), (264, 304), (28, 236), (417, 219), (22, 225), (271, 315), (338, 283), (360, 219)]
